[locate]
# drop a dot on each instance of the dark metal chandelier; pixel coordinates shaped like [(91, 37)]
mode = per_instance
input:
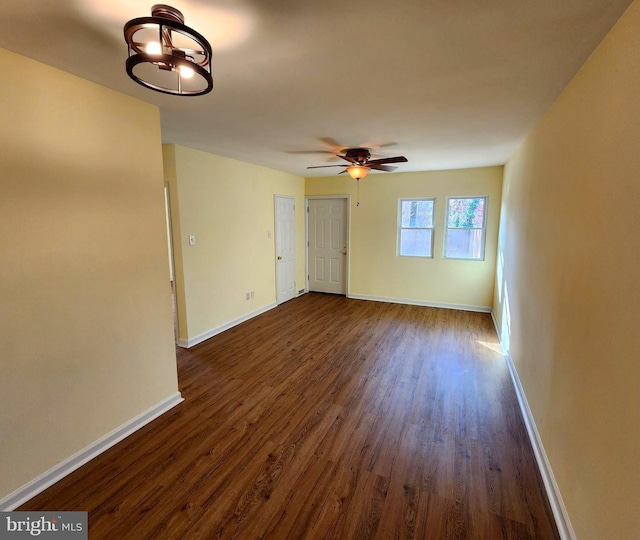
[(166, 55)]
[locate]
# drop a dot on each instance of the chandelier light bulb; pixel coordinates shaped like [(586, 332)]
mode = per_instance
[(186, 72), (153, 47)]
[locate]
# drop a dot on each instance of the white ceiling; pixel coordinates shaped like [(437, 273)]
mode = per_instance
[(447, 83)]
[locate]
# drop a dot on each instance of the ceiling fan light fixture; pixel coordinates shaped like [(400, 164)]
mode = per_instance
[(167, 56), (358, 172)]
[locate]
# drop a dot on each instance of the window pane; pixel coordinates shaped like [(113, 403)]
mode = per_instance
[(464, 244), (466, 213), (416, 243), (417, 214)]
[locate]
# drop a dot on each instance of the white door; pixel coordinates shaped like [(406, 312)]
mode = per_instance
[(328, 245), (285, 249)]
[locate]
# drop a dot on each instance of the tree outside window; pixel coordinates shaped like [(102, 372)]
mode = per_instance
[(465, 233), (415, 227)]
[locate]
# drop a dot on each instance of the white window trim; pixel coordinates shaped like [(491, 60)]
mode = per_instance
[(401, 228), (483, 229)]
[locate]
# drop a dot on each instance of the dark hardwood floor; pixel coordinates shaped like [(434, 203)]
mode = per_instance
[(326, 418)]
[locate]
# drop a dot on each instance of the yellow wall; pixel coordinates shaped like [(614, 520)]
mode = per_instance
[(229, 206), (86, 339), (568, 266), (375, 271)]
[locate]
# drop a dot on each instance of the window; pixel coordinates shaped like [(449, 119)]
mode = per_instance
[(415, 227), (464, 237)]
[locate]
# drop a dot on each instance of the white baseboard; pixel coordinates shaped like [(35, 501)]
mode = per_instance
[(463, 307), (186, 343), (499, 334), (565, 529), (66, 467)]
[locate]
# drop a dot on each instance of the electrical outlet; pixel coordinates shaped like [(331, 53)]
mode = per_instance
[(192, 239)]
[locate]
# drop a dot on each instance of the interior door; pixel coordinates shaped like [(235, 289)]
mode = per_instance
[(285, 248), (328, 245)]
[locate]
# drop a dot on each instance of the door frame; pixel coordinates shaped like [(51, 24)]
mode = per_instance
[(306, 236), (172, 263)]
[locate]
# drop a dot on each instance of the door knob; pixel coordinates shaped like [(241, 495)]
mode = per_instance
[(279, 257)]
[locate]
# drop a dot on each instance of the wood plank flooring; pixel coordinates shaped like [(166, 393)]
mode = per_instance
[(326, 418)]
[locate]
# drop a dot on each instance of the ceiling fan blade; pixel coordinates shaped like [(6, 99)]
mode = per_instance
[(330, 141), (396, 159), (324, 166), (342, 172), (376, 145), (385, 168), (323, 152)]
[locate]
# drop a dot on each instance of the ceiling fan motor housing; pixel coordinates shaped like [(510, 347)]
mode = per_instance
[(361, 155), (361, 162)]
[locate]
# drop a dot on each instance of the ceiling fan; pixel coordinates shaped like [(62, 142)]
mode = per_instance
[(361, 163)]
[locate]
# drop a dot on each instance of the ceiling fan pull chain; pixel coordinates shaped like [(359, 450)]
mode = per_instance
[(358, 191)]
